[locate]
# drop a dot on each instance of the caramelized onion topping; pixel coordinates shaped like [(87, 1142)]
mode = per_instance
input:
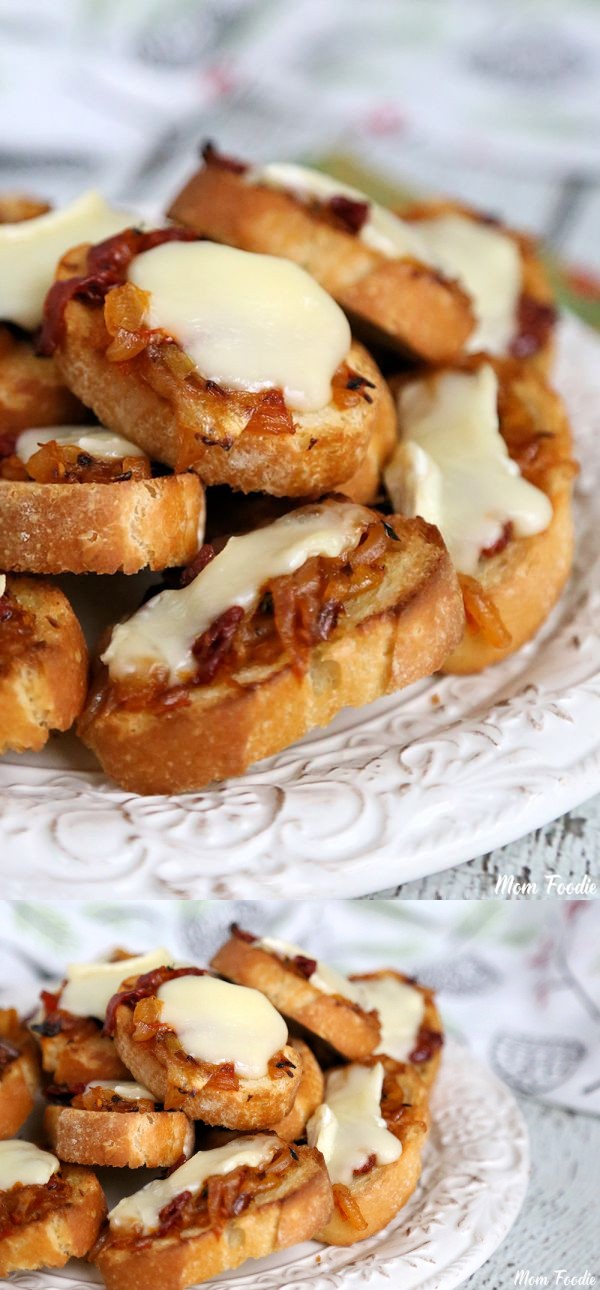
[(145, 987), (481, 613), (348, 1208), (535, 323)]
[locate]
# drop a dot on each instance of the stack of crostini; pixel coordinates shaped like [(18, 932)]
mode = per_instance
[(281, 1101), (328, 426)]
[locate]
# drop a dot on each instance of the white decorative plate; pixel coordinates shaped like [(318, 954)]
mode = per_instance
[(412, 784), (474, 1179)]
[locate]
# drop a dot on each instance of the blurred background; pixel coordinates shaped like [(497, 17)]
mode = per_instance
[(495, 101)]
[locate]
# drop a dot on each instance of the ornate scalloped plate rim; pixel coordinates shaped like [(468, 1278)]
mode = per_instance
[(399, 789), (475, 1177)]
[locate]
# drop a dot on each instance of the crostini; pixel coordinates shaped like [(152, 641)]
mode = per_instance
[(412, 1031), (70, 1025), (19, 1073), (241, 1201), (485, 453), (32, 239), (43, 663), (214, 1050), (120, 513), (237, 365), (371, 1129), (115, 1123), (329, 606), (372, 263), (49, 1213)]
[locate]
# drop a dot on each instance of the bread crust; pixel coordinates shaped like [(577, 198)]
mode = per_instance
[(184, 1085), (126, 1140), (20, 1078), (292, 1215), (68, 1231), (526, 579), (79, 1061), (415, 309), (100, 528), (431, 1031), (32, 392), (406, 631), (364, 485), (43, 684), (346, 1027), (381, 1193), (308, 1098)]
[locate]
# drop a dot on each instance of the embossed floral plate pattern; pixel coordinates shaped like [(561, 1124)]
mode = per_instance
[(415, 783), (474, 1179)]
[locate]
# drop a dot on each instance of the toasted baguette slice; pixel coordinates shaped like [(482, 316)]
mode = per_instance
[(68, 1222), (19, 1073), (342, 1023), (533, 341), (523, 580), (308, 1098), (411, 305), (390, 635), (31, 389), (187, 423), (202, 1090), (130, 1138), (426, 1055), (74, 1050), (374, 1198), (43, 664), (100, 528), (284, 1213)]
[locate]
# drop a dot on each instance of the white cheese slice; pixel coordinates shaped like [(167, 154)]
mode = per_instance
[(30, 251), (487, 264), (90, 986), (129, 1090), (162, 632), (21, 1162), (249, 322), (401, 1010), (349, 1128), (140, 1212), (485, 261), (453, 467), (96, 441), (218, 1022)]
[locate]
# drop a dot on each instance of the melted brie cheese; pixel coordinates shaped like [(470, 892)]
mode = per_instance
[(162, 632), (218, 1022), (485, 261), (2, 584), (129, 1090), (401, 1010), (31, 249), (90, 986), (324, 978), (487, 264), (249, 322), (21, 1162), (349, 1128), (453, 467), (96, 441), (140, 1212)]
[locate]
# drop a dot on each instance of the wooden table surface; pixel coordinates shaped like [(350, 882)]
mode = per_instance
[(557, 1227), (568, 847)]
